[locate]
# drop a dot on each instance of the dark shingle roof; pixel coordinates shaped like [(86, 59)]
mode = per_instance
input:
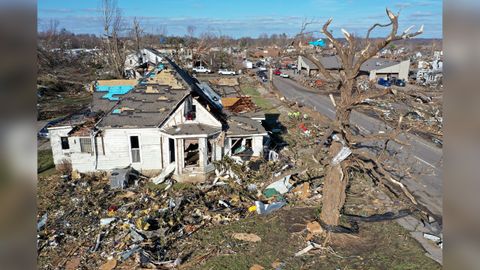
[(141, 109), (239, 125), (192, 129)]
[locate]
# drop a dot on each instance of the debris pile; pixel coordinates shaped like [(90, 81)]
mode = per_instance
[(239, 104), (421, 111), (224, 81), (97, 221)]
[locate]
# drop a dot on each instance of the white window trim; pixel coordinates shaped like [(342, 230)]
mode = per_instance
[(139, 148)]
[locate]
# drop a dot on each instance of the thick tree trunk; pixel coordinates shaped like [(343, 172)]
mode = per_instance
[(334, 187)]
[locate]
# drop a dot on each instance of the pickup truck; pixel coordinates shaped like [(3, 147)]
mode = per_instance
[(384, 82), (201, 70), (226, 72)]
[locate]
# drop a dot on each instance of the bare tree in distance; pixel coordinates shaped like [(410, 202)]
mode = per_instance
[(113, 25), (351, 55), (137, 33)]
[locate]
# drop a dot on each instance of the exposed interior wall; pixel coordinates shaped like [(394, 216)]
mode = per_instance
[(254, 142)]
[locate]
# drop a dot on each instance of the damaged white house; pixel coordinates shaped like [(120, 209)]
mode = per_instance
[(168, 118), (141, 59)]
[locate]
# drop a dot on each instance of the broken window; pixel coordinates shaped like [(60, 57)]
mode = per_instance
[(248, 143), (237, 146), (135, 149), (171, 146), (209, 152), (190, 109), (192, 154), (64, 141), (85, 145)]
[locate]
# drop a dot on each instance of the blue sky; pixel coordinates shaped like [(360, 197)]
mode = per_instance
[(245, 17)]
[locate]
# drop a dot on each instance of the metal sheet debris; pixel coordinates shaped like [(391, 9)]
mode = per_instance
[(282, 186), (166, 172), (268, 208), (310, 246), (342, 155)]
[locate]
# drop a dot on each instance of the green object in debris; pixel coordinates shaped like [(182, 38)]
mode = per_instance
[(239, 150), (270, 192)]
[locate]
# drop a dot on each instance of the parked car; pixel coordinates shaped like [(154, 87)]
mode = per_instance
[(261, 73), (398, 82), (277, 72), (43, 133), (262, 68), (226, 72), (284, 75), (201, 69), (384, 82)]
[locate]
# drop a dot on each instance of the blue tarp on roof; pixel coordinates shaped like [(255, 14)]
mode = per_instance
[(317, 43), (113, 90)]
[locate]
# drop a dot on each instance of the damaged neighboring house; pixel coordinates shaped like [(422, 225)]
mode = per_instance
[(138, 63), (167, 118), (374, 68), (430, 73)]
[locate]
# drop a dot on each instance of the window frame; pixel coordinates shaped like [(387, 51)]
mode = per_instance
[(63, 142), (135, 149), (83, 145)]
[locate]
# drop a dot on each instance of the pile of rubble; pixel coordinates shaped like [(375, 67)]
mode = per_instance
[(421, 111), (224, 81), (84, 221), (315, 82)]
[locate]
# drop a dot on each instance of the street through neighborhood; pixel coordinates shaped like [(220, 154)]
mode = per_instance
[(423, 157)]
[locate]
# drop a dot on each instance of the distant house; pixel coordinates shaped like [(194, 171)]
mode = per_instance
[(167, 118), (142, 59), (375, 67), (430, 73), (266, 52), (247, 64)]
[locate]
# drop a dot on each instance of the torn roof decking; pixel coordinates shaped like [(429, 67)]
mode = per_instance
[(150, 103), (84, 129)]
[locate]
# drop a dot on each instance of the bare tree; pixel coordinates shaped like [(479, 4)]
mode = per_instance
[(352, 54), (113, 25), (136, 33)]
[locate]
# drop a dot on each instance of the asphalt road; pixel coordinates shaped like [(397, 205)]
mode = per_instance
[(422, 157)]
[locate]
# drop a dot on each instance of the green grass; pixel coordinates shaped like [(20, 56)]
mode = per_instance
[(261, 102), (44, 161), (381, 245)]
